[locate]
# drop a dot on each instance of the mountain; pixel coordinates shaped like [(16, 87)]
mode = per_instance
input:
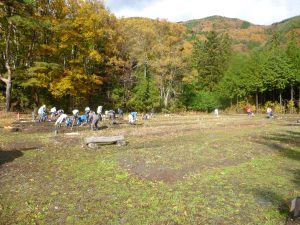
[(244, 34), (286, 27)]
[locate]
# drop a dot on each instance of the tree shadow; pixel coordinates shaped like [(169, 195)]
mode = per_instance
[(279, 142), (9, 156), (285, 152), (292, 125), (286, 144), (268, 197), (296, 173), (289, 137)]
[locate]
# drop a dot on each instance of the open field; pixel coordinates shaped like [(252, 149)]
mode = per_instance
[(175, 169)]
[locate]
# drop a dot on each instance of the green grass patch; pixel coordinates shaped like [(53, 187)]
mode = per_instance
[(193, 169)]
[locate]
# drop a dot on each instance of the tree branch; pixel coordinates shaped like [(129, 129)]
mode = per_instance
[(3, 79)]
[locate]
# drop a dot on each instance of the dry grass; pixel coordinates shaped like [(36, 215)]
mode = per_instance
[(7, 118)]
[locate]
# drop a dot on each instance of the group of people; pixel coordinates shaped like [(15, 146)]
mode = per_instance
[(43, 115), (249, 112), (89, 117)]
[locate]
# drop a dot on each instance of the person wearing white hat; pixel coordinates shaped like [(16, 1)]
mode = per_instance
[(87, 111)]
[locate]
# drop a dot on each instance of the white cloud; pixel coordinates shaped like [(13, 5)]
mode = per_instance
[(255, 11)]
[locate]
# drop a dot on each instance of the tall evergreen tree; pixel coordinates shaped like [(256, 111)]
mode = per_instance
[(211, 59), (293, 53), (145, 94), (277, 71)]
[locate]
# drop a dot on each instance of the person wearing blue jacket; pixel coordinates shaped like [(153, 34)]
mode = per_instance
[(132, 117)]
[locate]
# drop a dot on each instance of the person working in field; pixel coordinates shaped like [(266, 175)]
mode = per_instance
[(75, 113), (111, 116), (99, 109), (87, 111), (53, 112), (216, 112), (249, 110), (269, 112), (60, 111), (42, 113), (81, 120), (90, 116), (95, 118), (132, 117), (63, 118), (120, 113)]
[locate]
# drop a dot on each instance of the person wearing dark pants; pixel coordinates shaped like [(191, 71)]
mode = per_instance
[(95, 119)]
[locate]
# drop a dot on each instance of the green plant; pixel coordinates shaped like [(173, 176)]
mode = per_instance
[(205, 101), (291, 106), (274, 105)]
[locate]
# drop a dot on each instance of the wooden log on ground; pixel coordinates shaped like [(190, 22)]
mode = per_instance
[(12, 129), (93, 141)]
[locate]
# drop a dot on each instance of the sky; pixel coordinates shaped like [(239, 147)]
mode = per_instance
[(261, 12)]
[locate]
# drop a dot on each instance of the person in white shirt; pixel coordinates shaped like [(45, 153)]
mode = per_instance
[(99, 109), (75, 113), (42, 114), (216, 112), (87, 111), (62, 118), (53, 112)]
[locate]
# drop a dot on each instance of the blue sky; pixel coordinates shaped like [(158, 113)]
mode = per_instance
[(263, 12)]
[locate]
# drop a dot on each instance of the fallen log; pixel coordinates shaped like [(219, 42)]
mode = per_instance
[(12, 129), (93, 141)]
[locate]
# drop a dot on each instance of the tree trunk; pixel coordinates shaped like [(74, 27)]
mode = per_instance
[(71, 103), (237, 103), (292, 99), (7, 93), (280, 101), (166, 97), (8, 61), (36, 98), (145, 71), (256, 100)]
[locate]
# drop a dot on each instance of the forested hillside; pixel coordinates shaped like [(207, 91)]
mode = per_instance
[(76, 53), (245, 35)]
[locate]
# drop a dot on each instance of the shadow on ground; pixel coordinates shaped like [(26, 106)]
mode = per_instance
[(296, 179), (268, 197), (9, 156), (286, 144)]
